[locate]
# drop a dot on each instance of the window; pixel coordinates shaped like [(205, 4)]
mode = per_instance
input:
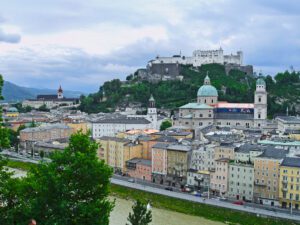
[(200, 115), (259, 99)]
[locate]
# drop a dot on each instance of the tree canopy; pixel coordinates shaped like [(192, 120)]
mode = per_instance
[(233, 87), (140, 215), (72, 189)]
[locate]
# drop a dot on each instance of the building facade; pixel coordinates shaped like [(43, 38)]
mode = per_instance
[(289, 184), (209, 111), (241, 181), (51, 101)]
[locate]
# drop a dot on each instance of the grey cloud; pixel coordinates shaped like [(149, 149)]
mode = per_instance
[(9, 38)]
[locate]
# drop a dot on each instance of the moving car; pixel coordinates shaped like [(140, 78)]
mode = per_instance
[(131, 180)]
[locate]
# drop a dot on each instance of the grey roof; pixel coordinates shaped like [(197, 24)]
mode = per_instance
[(246, 148), (289, 119), (161, 145), (166, 139), (145, 162), (120, 119), (48, 127), (274, 153), (144, 138), (108, 138), (178, 147), (234, 116), (291, 162)]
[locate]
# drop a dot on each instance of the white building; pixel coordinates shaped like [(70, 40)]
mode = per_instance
[(50, 101), (112, 124), (288, 123), (201, 57)]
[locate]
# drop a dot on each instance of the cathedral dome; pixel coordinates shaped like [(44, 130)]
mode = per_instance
[(207, 90)]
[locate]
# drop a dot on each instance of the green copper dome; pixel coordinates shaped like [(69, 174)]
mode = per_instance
[(260, 81), (207, 90)]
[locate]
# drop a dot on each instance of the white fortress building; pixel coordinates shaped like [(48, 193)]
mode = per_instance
[(209, 111), (201, 57)]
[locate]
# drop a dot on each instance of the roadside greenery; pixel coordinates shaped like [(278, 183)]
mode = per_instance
[(72, 189), (196, 209), (235, 87), (4, 132)]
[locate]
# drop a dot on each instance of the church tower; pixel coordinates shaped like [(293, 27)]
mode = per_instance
[(60, 93), (152, 113), (260, 103)]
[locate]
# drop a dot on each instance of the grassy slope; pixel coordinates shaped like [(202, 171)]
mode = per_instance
[(196, 209)]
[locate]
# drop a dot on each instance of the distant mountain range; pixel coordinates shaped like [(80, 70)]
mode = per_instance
[(12, 92)]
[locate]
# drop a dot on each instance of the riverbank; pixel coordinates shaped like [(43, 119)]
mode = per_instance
[(196, 209)]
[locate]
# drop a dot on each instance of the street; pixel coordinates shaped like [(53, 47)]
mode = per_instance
[(214, 202)]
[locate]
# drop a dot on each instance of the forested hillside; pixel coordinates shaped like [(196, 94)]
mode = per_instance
[(283, 90)]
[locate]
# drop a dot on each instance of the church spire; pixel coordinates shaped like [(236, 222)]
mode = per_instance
[(207, 79), (151, 102)]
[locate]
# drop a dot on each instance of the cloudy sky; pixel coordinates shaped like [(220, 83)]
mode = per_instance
[(80, 44)]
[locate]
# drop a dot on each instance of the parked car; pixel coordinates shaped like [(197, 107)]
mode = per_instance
[(238, 203), (223, 198), (204, 194), (197, 194), (131, 180), (168, 188)]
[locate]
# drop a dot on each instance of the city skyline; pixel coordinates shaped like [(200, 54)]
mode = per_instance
[(83, 44)]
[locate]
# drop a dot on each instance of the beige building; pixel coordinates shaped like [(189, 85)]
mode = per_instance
[(225, 150), (46, 133), (177, 164), (266, 176), (219, 178), (116, 151)]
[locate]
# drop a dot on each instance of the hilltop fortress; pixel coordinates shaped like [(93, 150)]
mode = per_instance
[(201, 57), (169, 68)]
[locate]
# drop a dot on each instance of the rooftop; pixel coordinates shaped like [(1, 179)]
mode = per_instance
[(178, 147), (291, 162), (121, 119), (195, 105), (47, 127), (274, 153), (289, 119), (108, 138), (140, 161)]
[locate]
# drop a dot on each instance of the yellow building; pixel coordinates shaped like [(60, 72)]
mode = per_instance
[(289, 185), (116, 151), (77, 126), (266, 176), (225, 150), (12, 112)]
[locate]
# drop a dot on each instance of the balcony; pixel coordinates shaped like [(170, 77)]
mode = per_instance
[(284, 181), (260, 184), (284, 189)]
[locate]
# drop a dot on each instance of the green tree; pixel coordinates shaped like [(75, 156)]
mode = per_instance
[(141, 215), (4, 132), (43, 108), (165, 124), (72, 189)]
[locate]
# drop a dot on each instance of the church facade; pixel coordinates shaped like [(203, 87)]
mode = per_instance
[(51, 101), (209, 111)]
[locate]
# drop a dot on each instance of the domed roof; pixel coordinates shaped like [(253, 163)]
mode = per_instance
[(260, 81), (207, 90)]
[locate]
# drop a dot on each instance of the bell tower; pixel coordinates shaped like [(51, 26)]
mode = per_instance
[(260, 103), (152, 112), (60, 93)]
